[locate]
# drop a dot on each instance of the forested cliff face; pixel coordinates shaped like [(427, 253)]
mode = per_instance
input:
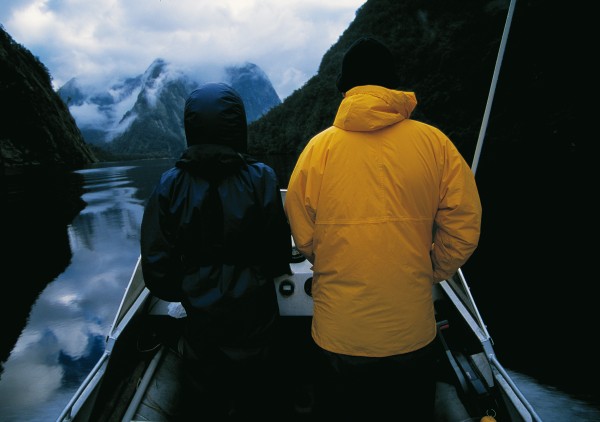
[(445, 52), (37, 129)]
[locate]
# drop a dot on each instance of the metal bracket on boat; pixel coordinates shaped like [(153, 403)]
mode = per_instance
[(294, 291)]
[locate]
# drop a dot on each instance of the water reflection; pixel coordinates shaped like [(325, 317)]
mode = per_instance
[(70, 318), (36, 208), (553, 405), (64, 336)]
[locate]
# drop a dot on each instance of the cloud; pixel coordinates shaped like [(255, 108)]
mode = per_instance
[(89, 115), (105, 40)]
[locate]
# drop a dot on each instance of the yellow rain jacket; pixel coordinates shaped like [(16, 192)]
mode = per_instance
[(366, 201)]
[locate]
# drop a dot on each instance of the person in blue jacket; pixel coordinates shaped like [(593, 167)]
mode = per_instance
[(214, 236)]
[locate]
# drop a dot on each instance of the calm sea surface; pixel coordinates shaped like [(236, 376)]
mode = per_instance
[(63, 335)]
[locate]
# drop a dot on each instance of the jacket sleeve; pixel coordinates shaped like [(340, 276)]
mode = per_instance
[(458, 219), (277, 231), (159, 260)]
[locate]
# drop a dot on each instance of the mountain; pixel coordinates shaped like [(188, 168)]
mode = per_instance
[(37, 129), (142, 116)]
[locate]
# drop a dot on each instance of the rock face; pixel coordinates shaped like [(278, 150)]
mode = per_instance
[(37, 129), (142, 116)]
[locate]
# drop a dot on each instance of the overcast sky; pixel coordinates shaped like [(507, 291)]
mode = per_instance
[(104, 40)]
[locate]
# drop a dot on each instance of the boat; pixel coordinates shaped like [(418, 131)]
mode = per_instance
[(138, 377)]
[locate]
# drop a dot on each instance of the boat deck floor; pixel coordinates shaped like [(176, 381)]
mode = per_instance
[(164, 401), (164, 393)]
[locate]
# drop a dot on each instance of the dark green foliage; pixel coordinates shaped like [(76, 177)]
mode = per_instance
[(37, 128)]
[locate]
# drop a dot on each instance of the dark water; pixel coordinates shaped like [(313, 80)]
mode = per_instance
[(66, 323), (59, 334)]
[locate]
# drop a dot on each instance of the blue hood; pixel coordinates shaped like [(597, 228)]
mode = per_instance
[(215, 114)]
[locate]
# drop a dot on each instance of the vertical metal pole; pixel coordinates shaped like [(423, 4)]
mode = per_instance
[(490, 99)]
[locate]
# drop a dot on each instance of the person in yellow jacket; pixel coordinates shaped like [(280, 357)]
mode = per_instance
[(383, 207)]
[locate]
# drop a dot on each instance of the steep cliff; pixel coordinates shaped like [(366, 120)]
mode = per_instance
[(37, 128)]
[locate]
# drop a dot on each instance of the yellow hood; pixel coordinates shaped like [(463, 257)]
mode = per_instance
[(370, 107)]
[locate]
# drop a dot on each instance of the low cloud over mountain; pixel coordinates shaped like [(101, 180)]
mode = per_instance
[(142, 116)]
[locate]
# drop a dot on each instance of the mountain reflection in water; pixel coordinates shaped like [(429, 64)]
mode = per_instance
[(64, 332)]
